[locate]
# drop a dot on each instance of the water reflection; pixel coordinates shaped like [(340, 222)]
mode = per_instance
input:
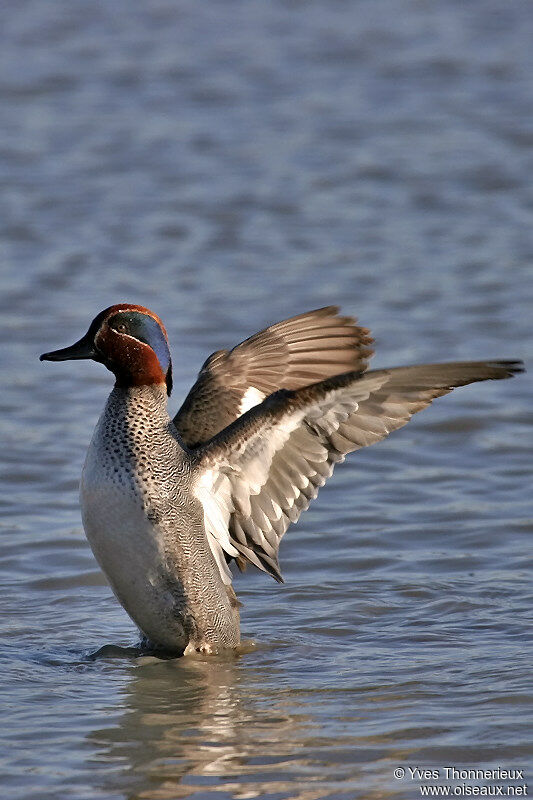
[(197, 725), (190, 722)]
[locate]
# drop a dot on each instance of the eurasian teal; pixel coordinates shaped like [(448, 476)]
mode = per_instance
[(168, 504)]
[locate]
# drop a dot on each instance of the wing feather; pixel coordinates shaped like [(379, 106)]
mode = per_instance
[(288, 355), (265, 468)]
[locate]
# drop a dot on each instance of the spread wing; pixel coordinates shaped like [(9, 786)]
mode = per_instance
[(289, 355), (260, 473)]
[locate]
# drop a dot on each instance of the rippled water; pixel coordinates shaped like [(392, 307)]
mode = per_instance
[(229, 164)]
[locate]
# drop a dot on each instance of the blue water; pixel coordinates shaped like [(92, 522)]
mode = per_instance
[(229, 164)]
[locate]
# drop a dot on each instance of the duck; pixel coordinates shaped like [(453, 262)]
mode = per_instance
[(170, 504)]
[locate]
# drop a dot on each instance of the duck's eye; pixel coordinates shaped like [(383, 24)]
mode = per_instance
[(121, 327)]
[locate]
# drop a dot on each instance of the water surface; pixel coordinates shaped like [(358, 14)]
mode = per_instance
[(229, 164)]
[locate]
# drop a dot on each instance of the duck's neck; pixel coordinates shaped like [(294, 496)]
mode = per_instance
[(138, 408), (149, 392)]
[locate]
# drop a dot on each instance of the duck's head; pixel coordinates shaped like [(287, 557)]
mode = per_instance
[(129, 340)]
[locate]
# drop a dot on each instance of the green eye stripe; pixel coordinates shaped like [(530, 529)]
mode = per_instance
[(146, 330)]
